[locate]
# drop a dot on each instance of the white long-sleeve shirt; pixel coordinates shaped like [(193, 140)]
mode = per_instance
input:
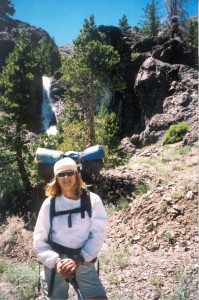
[(86, 233)]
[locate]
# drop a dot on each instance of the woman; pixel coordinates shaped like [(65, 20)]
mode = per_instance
[(68, 244)]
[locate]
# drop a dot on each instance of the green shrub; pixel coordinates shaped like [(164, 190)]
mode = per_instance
[(107, 135), (4, 296), (72, 136), (10, 239), (25, 277), (9, 175), (175, 133), (181, 285), (113, 279), (191, 32), (123, 202), (141, 188), (183, 150), (167, 235), (134, 55), (115, 256), (107, 129), (111, 209), (155, 280), (3, 266)]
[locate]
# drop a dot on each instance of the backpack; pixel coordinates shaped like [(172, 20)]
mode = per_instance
[(90, 161), (85, 206)]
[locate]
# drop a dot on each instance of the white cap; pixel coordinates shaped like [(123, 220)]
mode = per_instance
[(65, 164)]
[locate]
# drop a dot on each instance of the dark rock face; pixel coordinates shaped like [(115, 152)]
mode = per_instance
[(151, 85), (125, 104), (6, 47), (57, 86), (161, 86), (145, 45), (10, 30), (177, 52), (115, 38), (167, 95)]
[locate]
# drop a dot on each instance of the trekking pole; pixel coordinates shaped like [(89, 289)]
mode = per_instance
[(75, 285)]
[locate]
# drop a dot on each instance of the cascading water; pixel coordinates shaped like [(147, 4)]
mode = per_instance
[(48, 108)]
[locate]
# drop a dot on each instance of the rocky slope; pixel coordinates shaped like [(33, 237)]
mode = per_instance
[(151, 246), (159, 230)]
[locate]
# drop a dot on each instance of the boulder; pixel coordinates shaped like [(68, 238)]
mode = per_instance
[(177, 52), (167, 95)]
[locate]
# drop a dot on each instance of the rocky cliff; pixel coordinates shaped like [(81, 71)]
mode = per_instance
[(161, 86), (161, 78), (9, 32)]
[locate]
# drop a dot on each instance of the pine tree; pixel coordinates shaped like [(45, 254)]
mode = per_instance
[(88, 69), (16, 107), (151, 20), (123, 24), (6, 8), (47, 56), (191, 33)]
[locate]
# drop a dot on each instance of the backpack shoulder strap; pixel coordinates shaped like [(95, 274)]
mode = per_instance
[(86, 204), (52, 213)]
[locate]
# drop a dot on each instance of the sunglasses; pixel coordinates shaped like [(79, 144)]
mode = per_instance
[(66, 173)]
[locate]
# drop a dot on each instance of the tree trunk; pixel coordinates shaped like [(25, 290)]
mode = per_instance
[(86, 121), (20, 162)]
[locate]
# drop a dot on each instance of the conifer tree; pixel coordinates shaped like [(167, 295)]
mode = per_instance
[(16, 107), (6, 8), (47, 56), (150, 24), (123, 24), (88, 70), (191, 33)]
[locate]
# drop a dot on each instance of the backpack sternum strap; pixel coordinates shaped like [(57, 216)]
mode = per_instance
[(67, 212)]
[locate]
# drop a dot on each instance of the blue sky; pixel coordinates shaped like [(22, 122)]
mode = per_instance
[(63, 19)]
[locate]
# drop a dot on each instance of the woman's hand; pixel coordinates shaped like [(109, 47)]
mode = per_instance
[(67, 266)]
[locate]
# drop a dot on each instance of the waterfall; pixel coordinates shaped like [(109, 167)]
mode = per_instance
[(48, 108)]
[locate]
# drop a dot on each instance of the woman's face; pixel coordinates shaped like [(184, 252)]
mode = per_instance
[(66, 180)]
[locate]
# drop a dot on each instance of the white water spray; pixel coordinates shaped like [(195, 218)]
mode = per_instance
[(48, 108)]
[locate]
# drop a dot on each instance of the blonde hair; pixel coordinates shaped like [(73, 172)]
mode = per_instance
[(53, 188)]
